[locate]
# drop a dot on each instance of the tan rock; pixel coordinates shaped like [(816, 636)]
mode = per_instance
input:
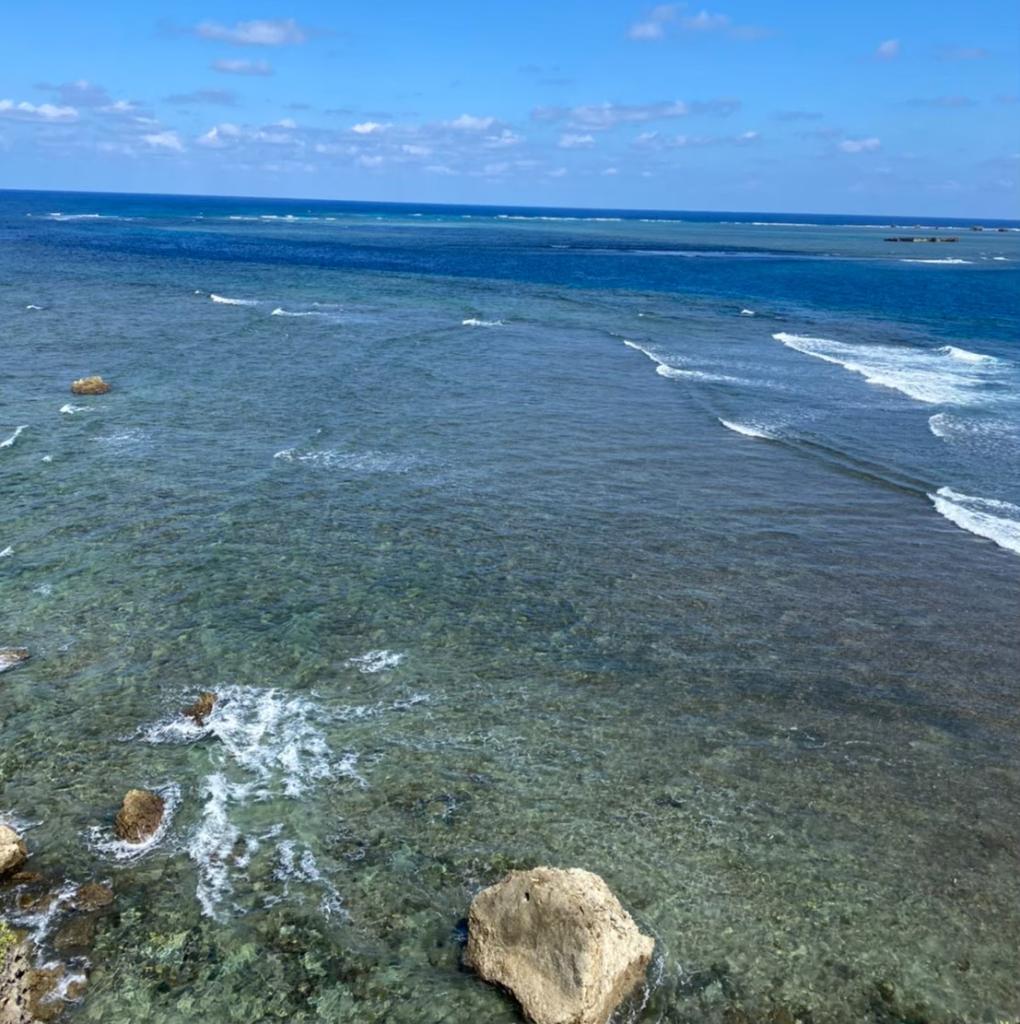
[(201, 709), (11, 656), (139, 816), (559, 941), (90, 386), (24, 988), (13, 851)]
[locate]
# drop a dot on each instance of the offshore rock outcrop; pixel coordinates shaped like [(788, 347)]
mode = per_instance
[(560, 941), (139, 816), (200, 711), (29, 994), (90, 386)]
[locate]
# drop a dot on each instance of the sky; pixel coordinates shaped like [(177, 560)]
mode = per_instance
[(902, 107)]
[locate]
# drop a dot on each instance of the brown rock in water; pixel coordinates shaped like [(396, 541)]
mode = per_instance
[(559, 941), (201, 709), (139, 816), (77, 933), (11, 656), (13, 851), (24, 988), (92, 897), (90, 386)]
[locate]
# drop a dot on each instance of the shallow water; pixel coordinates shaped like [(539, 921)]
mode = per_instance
[(484, 580)]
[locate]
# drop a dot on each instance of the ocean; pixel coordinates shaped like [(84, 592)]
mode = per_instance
[(682, 548)]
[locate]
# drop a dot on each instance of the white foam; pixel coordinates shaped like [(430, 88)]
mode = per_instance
[(1005, 258), (304, 868), (947, 260), (70, 410), (998, 521), (233, 302), (747, 312), (280, 311), (47, 458), (748, 429), (640, 348), (32, 306), (7, 552), (950, 427), (360, 462), (967, 357), (10, 441), (675, 373), (39, 919), (105, 841), (123, 441), (472, 322), (926, 375), (44, 589), (375, 661)]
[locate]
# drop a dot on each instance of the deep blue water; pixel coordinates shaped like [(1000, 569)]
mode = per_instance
[(680, 547)]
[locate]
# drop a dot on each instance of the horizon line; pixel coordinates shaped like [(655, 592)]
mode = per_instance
[(512, 206)]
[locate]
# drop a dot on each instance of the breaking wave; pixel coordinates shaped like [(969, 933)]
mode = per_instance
[(998, 521)]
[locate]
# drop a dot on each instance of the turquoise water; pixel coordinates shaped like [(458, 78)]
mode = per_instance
[(679, 550)]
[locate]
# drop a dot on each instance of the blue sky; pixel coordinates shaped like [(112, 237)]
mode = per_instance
[(866, 107)]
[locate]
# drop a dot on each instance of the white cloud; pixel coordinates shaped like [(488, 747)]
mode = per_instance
[(490, 170), (569, 141), (671, 16), (270, 32), (610, 171), (220, 136), (559, 172), (468, 123), (368, 127), (370, 162), (889, 50), (412, 150), (964, 53), (45, 112), (871, 145), (120, 107), (442, 169), (603, 116), (242, 67), (164, 140), (504, 139)]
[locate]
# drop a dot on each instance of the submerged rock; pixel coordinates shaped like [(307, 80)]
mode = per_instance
[(90, 386), (92, 897), (139, 816), (560, 941), (200, 711), (11, 656), (13, 851)]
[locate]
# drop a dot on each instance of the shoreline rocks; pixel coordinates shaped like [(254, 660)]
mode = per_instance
[(13, 851), (90, 386), (560, 941), (139, 816)]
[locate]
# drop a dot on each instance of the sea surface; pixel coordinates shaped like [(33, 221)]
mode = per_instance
[(678, 547)]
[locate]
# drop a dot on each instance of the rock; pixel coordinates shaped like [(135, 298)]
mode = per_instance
[(139, 816), (92, 897), (13, 851), (90, 386), (77, 933), (24, 988), (11, 656), (559, 941), (201, 709)]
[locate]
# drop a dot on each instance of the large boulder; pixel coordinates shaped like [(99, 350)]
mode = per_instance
[(13, 851), (559, 941), (139, 816), (90, 386)]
